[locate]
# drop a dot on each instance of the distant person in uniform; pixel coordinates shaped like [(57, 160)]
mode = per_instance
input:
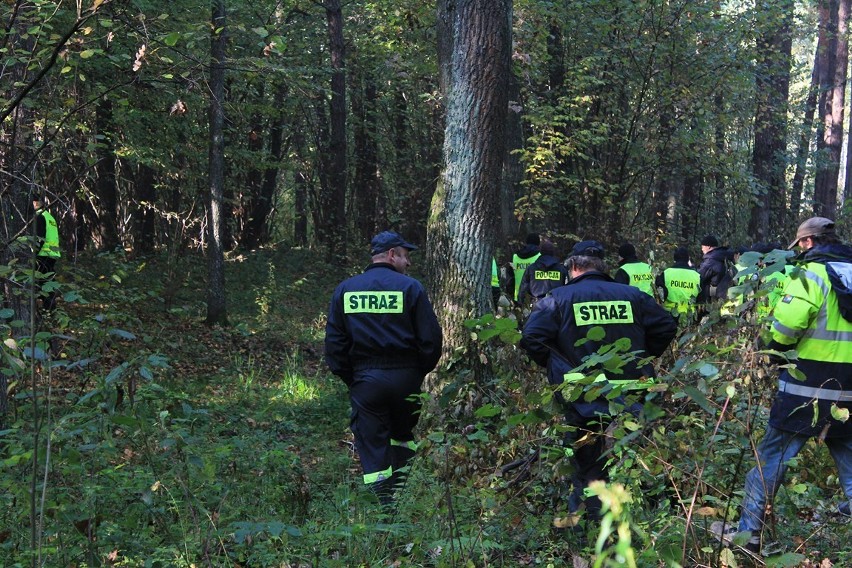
[(543, 275), (522, 259), (633, 271), (557, 337), (381, 339), (47, 253), (680, 285), (714, 269)]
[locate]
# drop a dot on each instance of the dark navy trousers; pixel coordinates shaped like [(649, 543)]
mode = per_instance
[(385, 411)]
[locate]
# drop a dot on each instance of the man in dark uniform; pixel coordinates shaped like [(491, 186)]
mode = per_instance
[(557, 336), (633, 271), (543, 275), (715, 275), (381, 339)]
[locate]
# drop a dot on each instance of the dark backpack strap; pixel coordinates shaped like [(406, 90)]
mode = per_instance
[(840, 276)]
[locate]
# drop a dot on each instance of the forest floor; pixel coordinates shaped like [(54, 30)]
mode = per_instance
[(173, 443)]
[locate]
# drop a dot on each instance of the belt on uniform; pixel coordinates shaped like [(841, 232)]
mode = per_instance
[(812, 392)]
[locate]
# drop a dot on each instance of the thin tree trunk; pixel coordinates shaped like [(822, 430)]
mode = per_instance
[(367, 191), (216, 306), (805, 135), (146, 198), (300, 188), (834, 14), (106, 186), (513, 168)]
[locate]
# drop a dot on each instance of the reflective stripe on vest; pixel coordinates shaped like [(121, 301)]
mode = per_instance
[(640, 276), (828, 337), (520, 265), (682, 288), (812, 393)]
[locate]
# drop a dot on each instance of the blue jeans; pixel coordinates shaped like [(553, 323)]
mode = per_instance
[(774, 451)]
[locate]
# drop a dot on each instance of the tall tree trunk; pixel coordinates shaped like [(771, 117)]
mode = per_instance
[(833, 18), (256, 228), (216, 306), (106, 185), (300, 189), (772, 88), (146, 199), (463, 224), (513, 168), (333, 232), (369, 214), (805, 134)]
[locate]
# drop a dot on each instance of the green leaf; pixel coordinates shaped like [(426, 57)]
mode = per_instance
[(116, 373), (699, 398), (488, 411), (708, 370), (261, 32), (596, 333), (786, 560), (122, 334), (840, 414), (172, 39), (85, 54)]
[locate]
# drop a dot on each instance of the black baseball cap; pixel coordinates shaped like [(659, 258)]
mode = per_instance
[(387, 240), (588, 248)]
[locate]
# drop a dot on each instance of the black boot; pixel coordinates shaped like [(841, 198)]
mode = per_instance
[(383, 490)]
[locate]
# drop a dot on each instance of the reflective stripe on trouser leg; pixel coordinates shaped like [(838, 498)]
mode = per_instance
[(377, 476), (380, 413)]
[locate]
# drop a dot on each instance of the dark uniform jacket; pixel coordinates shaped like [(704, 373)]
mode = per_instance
[(715, 276), (809, 319), (381, 319), (626, 314), (542, 276)]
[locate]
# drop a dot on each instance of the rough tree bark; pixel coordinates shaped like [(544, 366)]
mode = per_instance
[(774, 47), (464, 217), (833, 16)]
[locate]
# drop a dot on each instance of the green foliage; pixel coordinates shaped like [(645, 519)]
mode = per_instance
[(235, 449)]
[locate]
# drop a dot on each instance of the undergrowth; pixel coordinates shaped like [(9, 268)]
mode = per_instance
[(152, 440)]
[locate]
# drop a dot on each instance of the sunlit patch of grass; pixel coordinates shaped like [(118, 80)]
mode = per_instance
[(295, 388)]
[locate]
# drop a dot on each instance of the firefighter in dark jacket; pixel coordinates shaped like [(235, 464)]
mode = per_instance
[(557, 336), (814, 318), (543, 275), (715, 275), (633, 271), (381, 339)]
